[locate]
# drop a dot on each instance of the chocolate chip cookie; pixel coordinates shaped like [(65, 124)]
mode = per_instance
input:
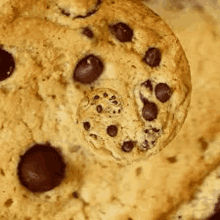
[(82, 81)]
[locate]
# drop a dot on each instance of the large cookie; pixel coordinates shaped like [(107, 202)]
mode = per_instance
[(80, 81), (126, 86)]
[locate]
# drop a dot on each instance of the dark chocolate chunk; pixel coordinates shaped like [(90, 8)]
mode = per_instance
[(75, 194), (156, 130), (152, 57), (41, 168), (163, 92), (150, 111), (88, 69), (148, 85), (96, 97), (88, 32), (143, 99), (127, 146), (146, 131), (99, 108), (7, 64), (86, 125), (216, 213), (122, 32), (112, 130), (172, 159)]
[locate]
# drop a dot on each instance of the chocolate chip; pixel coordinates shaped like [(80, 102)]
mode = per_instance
[(115, 102), (138, 171), (215, 216), (105, 94), (146, 131), (143, 99), (150, 111), (216, 213), (113, 97), (86, 125), (75, 194), (88, 69), (96, 97), (148, 85), (88, 32), (99, 109), (156, 130), (172, 159), (112, 130), (163, 92), (217, 205), (127, 146), (7, 64), (122, 31), (152, 57), (41, 168)]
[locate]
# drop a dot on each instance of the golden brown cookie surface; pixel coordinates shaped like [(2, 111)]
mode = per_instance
[(83, 83)]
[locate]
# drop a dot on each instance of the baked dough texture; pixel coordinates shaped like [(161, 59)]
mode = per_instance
[(41, 102)]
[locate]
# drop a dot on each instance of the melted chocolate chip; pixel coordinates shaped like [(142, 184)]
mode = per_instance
[(143, 99), (99, 108), (88, 69), (7, 64), (148, 85), (88, 32), (41, 168), (172, 159), (152, 57), (96, 97), (150, 111), (156, 130), (122, 32), (115, 102), (127, 146), (75, 194), (105, 94), (86, 125), (112, 130), (163, 92), (146, 131)]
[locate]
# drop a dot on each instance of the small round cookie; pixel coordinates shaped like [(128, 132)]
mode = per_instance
[(140, 83)]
